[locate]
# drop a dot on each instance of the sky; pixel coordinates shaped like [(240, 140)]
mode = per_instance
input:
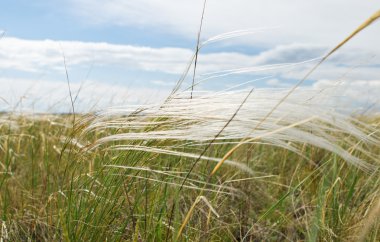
[(120, 52)]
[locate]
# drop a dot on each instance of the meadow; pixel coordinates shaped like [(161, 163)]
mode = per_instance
[(60, 183), (248, 165)]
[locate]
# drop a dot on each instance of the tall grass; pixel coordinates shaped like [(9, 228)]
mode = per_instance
[(54, 187), (261, 165)]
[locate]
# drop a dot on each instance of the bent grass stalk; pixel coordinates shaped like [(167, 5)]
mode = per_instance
[(364, 25)]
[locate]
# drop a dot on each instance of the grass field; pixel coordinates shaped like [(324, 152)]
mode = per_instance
[(55, 185)]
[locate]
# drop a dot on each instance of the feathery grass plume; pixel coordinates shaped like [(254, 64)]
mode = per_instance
[(196, 122), (214, 39), (276, 117), (364, 25)]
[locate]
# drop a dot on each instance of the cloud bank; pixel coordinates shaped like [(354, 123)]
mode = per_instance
[(39, 96), (36, 55), (33, 71)]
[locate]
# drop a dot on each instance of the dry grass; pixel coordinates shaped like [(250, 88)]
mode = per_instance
[(54, 188)]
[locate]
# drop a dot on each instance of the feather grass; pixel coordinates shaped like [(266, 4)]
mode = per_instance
[(298, 120)]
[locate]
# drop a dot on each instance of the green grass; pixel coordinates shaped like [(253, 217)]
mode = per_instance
[(53, 189)]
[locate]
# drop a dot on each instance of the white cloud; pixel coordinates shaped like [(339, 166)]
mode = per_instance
[(163, 83), (361, 93), (277, 83), (34, 55), (291, 52), (42, 55), (53, 96), (315, 21), (39, 56)]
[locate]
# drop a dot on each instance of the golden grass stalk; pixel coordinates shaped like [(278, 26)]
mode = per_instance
[(191, 210), (364, 25)]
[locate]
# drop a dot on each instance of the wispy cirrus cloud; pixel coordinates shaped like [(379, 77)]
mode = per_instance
[(299, 21)]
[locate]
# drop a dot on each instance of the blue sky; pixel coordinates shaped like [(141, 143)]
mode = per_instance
[(54, 20), (141, 48)]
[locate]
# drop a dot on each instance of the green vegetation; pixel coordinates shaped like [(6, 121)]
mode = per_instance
[(55, 185), (193, 169)]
